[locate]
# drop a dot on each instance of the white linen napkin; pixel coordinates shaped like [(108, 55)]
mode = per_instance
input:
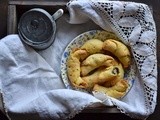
[(31, 88), (30, 80)]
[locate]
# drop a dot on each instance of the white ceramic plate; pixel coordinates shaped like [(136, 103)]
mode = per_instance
[(78, 42)]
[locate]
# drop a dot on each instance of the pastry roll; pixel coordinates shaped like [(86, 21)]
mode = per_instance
[(73, 68), (93, 46), (119, 50), (100, 76), (116, 91), (120, 75), (94, 61)]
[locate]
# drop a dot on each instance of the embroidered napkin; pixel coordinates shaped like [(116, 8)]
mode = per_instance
[(30, 80), (134, 24)]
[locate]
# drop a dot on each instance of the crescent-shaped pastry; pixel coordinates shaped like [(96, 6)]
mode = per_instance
[(100, 76), (119, 50), (120, 75), (94, 61), (93, 46), (73, 68), (116, 91)]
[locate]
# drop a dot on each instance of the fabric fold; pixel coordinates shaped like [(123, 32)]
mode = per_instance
[(31, 83)]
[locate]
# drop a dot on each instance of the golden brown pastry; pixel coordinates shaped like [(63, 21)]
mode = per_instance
[(92, 46), (116, 91), (100, 76), (88, 67), (121, 71), (94, 61), (120, 75), (73, 68), (119, 50)]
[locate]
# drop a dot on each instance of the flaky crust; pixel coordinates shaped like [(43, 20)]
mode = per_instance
[(120, 75), (73, 68), (100, 76), (94, 61), (116, 91), (119, 50), (93, 46)]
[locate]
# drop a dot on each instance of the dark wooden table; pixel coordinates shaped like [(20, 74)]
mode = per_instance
[(92, 115)]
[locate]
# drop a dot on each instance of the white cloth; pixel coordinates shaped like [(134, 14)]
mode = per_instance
[(134, 24), (30, 81)]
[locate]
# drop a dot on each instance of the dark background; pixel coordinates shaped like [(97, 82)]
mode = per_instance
[(155, 4)]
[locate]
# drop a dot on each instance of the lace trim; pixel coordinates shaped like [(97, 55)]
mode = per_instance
[(130, 115), (125, 33), (75, 112)]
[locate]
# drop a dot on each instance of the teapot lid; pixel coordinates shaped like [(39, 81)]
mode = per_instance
[(36, 27)]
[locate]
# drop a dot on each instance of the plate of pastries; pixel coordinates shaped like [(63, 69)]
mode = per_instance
[(98, 61)]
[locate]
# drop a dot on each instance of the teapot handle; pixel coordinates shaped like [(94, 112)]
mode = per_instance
[(57, 14)]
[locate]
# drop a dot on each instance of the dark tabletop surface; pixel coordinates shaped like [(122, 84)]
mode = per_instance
[(155, 5)]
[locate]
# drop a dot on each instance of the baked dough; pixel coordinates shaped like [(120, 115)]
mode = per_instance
[(94, 61), (119, 50), (120, 75), (116, 91), (100, 76), (93, 46), (73, 68), (89, 67)]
